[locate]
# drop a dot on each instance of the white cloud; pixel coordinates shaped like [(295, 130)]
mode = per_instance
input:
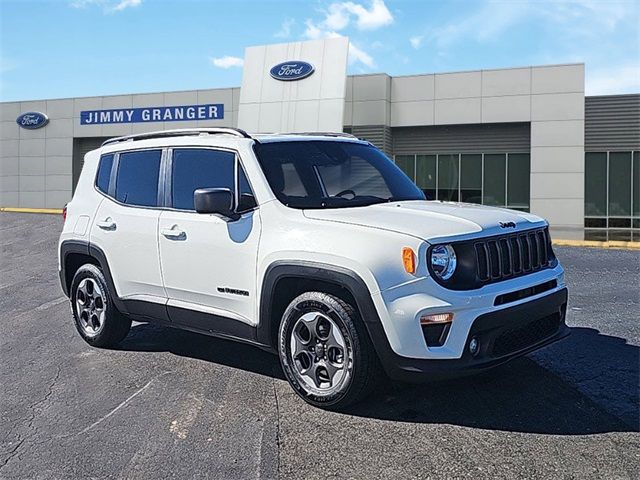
[(84, 3), (613, 79), (357, 55), (126, 4), (227, 62), (375, 17), (313, 32), (109, 6), (339, 16), (416, 41), (571, 18), (285, 28)]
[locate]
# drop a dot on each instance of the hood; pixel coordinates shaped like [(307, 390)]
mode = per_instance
[(432, 220)]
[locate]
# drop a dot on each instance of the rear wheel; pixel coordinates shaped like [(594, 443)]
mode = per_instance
[(96, 318), (325, 352)]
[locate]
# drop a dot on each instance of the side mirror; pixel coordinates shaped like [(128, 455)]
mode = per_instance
[(215, 200)]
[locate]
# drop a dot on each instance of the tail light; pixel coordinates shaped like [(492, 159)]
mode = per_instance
[(64, 213)]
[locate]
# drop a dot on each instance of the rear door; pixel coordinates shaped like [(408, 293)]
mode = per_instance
[(209, 263), (125, 227)]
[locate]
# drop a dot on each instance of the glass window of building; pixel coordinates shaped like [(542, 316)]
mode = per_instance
[(635, 179), (471, 178), (426, 175), (612, 196), (448, 177), (494, 179), (518, 180), (595, 188), (619, 184), (407, 164), (499, 179)]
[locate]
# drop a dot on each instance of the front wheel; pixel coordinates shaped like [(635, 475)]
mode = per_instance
[(325, 351), (97, 320)]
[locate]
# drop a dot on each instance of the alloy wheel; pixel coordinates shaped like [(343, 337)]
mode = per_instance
[(91, 306), (319, 352)]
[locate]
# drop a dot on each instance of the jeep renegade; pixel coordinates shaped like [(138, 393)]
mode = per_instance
[(314, 246)]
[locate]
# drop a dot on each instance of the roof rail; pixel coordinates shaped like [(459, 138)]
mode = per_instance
[(180, 132), (319, 134)]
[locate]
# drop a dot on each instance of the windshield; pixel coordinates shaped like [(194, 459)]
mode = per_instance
[(332, 174)]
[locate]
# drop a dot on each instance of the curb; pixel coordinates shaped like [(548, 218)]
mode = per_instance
[(57, 211), (597, 244)]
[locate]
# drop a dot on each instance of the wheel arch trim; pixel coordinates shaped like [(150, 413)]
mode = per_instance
[(308, 270), (83, 247)]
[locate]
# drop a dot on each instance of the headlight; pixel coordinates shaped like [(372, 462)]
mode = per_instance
[(443, 261)]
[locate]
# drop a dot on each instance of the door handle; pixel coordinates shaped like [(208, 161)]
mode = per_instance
[(107, 224), (174, 233)]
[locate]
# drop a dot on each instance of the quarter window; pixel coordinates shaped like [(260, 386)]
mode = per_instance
[(137, 178), (104, 173)]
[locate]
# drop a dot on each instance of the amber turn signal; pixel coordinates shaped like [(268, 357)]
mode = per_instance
[(409, 260)]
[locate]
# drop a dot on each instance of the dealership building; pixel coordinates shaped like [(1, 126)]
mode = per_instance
[(526, 138)]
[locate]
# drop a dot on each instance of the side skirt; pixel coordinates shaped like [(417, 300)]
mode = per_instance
[(194, 321)]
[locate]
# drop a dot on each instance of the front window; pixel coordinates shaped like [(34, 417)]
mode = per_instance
[(194, 168), (332, 174)]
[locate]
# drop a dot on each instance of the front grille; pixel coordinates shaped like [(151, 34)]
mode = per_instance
[(508, 256), (517, 339)]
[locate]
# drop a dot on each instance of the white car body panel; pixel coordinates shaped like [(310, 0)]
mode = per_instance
[(212, 253), (131, 248)]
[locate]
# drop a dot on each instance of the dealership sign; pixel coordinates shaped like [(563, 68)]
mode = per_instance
[(177, 113), (293, 70), (32, 120)]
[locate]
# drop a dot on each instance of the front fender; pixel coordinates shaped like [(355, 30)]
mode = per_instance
[(310, 270)]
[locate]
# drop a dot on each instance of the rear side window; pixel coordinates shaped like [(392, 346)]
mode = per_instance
[(137, 178), (104, 173), (199, 168)]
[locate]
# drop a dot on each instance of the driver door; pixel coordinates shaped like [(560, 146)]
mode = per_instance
[(208, 262)]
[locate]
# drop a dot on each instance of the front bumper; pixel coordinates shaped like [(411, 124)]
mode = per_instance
[(503, 335)]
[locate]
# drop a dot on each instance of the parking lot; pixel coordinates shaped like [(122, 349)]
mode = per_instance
[(173, 404)]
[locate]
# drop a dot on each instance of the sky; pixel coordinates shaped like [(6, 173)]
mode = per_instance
[(72, 48)]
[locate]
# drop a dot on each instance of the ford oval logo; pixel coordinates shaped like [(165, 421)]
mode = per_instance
[(293, 70), (32, 120)]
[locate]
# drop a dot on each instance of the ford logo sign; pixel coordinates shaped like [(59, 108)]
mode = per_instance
[(293, 70), (32, 120)]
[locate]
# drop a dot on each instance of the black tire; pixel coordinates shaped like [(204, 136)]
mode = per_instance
[(113, 326), (360, 362)]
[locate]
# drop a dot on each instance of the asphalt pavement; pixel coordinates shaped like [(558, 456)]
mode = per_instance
[(173, 404)]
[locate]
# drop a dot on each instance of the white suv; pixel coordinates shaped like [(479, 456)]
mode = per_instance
[(314, 246)]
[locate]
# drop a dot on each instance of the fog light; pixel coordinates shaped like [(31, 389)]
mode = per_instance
[(436, 318), (474, 346)]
